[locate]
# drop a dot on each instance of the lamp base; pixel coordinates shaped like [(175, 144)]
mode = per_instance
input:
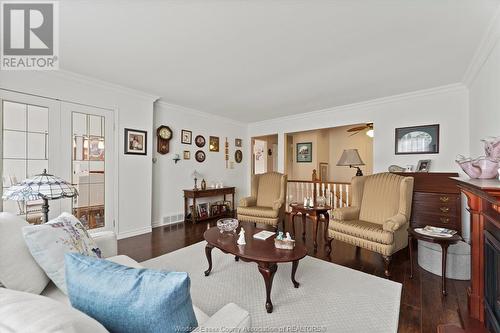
[(359, 172), (45, 210)]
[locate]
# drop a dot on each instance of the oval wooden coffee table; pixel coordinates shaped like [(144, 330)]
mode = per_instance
[(261, 252)]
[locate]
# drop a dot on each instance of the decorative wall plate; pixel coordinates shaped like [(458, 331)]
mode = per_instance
[(200, 156), (200, 141), (238, 156)]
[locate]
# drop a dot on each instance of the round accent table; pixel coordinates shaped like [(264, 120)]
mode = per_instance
[(314, 214), (444, 242)]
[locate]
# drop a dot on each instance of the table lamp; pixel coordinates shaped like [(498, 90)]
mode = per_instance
[(196, 175), (43, 186), (351, 158)]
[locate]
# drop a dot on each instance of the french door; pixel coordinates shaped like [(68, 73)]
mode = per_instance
[(88, 153), (30, 143), (72, 141)]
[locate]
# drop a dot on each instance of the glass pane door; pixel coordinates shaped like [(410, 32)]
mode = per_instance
[(29, 130), (89, 169), (91, 143)]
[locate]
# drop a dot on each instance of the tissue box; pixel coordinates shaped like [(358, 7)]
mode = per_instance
[(284, 244)]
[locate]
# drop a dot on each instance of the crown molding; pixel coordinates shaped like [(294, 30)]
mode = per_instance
[(80, 78), (365, 104), (486, 46), (199, 113)]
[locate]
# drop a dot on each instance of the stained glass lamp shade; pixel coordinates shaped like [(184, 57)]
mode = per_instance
[(43, 186)]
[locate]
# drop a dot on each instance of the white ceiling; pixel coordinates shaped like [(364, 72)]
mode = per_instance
[(260, 59)]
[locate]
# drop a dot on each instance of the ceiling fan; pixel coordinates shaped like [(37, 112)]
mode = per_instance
[(357, 129)]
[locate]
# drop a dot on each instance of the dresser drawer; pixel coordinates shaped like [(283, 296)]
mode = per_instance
[(437, 198), (434, 203), (422, 219)]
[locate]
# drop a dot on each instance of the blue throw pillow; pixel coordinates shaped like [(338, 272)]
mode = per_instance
[(126, 299)]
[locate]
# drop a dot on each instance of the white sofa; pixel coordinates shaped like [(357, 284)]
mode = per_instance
[(231, 317)]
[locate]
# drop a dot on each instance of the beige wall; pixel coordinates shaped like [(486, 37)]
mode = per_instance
[(328, 145), (303, 171), (340, 140)]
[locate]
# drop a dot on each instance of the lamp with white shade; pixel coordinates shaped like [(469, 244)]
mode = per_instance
[(43, 186), (351, 158)]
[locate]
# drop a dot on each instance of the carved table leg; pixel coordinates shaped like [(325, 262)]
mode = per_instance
[(295, 264), (327, 224), (208, 253), (314, 220), (292, 218), (410, 250), (304, 226), (444, 247), (267, 270)]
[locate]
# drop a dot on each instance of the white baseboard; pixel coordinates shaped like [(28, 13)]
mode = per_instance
[(160, 223), (135, 232)]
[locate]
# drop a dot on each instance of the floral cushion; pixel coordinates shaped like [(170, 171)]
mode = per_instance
[(50, 241)]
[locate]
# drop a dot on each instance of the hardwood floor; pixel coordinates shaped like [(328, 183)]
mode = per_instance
[(422, 306)]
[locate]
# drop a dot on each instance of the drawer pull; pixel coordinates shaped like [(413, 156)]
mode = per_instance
[(444, 220), (444, 199), (444, 209)]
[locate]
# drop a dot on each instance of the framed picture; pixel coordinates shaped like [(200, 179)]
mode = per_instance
[(214, 143), (238, 156), (187, 154), (200, 141), (136, 142), (304, 152), (214, 210), (323, 172), (186, 137), (200, 156), (237, 142), (203, 210), (423, 165), (417, 140)]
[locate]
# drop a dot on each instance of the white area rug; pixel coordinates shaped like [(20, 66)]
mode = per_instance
[(330, 298)]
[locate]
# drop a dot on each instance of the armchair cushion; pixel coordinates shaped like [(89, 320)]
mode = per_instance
[(395, 222), (346, 213), (381, 197), (269, 189), (364, 230), (258, 212), (248, 202)]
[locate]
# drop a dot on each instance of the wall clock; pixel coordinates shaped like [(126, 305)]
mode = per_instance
[(163, 134), (200, 156), (238, 156), (200, 141)]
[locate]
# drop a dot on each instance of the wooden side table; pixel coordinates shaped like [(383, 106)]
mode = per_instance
[(209, 192), (314, 214), (444, 242)]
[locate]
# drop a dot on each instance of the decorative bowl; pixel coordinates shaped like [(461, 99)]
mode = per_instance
[(227, 224)]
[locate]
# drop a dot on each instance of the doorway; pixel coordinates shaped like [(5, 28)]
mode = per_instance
[(264, 154)]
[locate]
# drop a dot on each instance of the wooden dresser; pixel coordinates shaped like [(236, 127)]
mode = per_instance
[(436, 200)]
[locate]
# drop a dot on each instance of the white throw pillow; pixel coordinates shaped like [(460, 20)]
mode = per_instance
[(50, 241), (27, 313), (18, 269)]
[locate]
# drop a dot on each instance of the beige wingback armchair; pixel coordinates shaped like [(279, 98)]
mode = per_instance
[(266, 204), (379, 216)]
